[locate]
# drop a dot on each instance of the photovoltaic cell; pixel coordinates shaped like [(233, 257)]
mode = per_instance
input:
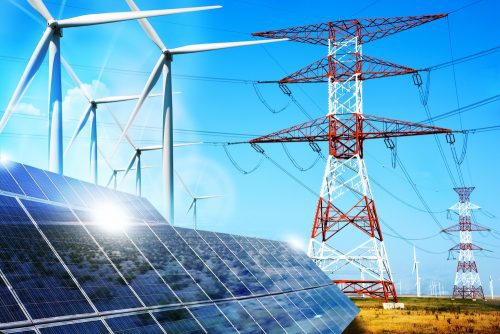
[(7, 182), (140, 275), (9, 309), (43, 181), (37, 276), (233, 262), (62, 261), (262, 316), (90, 266), (212, 260), (134, 324), (90, 327), (249, 262), (24, 180), (239, 317), (212, 319), (193, 264), (169, 268), (178, 321)]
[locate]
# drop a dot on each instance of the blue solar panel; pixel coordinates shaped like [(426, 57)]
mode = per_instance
[(232, 261), (178, 321), (43, 181), (213, 261), (212, 319), (9, 308), (7, 182), (263, 278), (25, 181), (139, 274), (193, 264), (59, 258), (134, 324), (90, 327)]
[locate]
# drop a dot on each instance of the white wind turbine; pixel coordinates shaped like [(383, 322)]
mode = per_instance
[(91, 113), (138, 166), (491, 288), (51, 41), (164, 64), (194, 200), (415, 269)]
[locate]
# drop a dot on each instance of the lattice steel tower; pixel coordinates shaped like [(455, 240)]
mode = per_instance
[(346, 197), (467, 282)]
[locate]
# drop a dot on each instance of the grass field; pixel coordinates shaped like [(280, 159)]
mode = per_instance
[(427, 315)]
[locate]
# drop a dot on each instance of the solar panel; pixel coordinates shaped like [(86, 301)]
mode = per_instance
[(66, 269)]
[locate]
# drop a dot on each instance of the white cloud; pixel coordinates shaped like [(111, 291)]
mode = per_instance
[(27, 109)]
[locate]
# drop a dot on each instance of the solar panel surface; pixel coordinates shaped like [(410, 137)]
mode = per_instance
[(79, 258)]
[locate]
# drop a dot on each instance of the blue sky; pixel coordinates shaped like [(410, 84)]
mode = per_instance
[(116, 59)]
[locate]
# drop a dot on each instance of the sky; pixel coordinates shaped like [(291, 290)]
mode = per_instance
[(116, 59)]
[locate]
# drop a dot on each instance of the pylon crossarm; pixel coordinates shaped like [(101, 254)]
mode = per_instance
[(365, 30), (466, 227), (331, 68), (348, 127), (465, 246)]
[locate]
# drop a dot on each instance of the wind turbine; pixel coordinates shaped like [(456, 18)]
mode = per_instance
[(491, 288), (194, 200), (50, 42), (164, 64), (91, 113), (137, 157), (415, 269)]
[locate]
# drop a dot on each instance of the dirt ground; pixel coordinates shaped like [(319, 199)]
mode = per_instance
[(427, 315)]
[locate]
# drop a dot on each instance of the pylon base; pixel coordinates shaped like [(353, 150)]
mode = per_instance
[(381, 290)]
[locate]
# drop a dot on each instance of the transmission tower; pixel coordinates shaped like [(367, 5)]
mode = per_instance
[(467, 282), (346, 197)]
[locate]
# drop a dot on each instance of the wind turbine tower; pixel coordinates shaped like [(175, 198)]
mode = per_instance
[(491, 288), (415, 269)]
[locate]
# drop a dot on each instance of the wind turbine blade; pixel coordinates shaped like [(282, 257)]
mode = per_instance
[(94, 19), (188, 144), (152, 148), (184, 185), (123, 98), (147, 27), (79, 128), (129, 167), (110, 179), (191, 206), (153, 78), (76, 80), (29, 72), (218, 46), (39, 6), (209, 196), (117, 121)]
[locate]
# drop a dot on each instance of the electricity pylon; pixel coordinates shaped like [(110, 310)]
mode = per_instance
[(467, 281), (346, 197)]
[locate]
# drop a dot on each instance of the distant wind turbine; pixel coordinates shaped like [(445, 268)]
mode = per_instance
[(195, 200), (50, 42), (415, 269), (491, 288), (164, 65), (91, 113)]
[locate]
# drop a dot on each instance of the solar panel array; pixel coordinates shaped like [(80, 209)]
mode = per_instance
[(62, 270)]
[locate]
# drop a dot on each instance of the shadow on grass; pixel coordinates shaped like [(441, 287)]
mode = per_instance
[(355, 327)]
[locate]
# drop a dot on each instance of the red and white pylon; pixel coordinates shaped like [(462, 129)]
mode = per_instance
[(467, 281)]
